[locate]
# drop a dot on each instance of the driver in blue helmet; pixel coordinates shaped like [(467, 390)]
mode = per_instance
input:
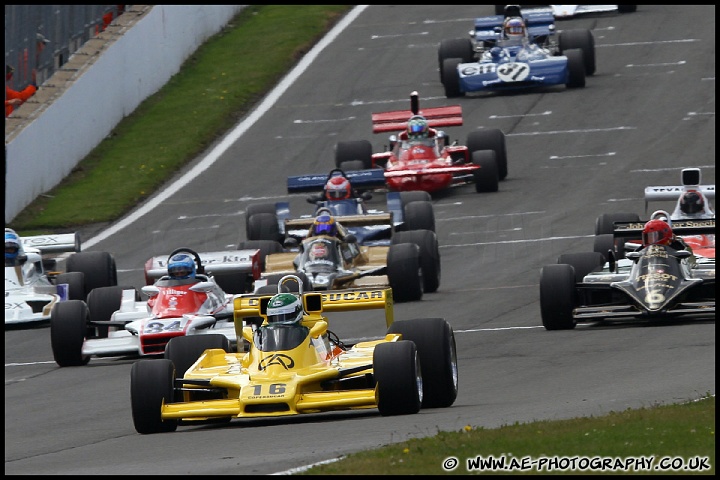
[(181, 267), (14, 253), (325, 224)]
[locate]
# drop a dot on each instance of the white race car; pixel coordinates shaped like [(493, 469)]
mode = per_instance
[(114, 321), (702, 213), (570, 11), (35, 284)]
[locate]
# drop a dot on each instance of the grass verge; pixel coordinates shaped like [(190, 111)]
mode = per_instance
[(214, 89), (680, 436)]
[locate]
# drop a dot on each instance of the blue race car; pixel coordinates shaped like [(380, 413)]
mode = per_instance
[(516, 51), (405, 211)]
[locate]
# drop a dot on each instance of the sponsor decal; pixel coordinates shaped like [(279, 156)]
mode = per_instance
[(352, 296), (276, 359)]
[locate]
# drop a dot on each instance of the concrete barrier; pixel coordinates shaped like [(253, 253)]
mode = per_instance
[(103, 82)]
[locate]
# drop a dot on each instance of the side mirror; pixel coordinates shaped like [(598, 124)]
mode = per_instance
[(366, 195), (32, 257), (150, 290), (204, 287), (682, 254), (247, 334), (634, 256), (290, 242), (350, 238), (318, 329)]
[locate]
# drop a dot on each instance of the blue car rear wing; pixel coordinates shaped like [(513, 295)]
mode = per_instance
[(538, 24), (360, 180)]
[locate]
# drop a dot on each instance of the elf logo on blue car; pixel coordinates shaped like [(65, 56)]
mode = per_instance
[(478, 69)]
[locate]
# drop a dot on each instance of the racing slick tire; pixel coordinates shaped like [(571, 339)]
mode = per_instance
[(583, 39), (292, 286), (419, 215), (576, 72), (264, 226), (461, 48), (98, 267), (266, 247), (486, 178), (75, 282), (398, 373), (184, 351), (605, 222), (490, 139), (352, 165), (583, 263), (604, 244), (68, 327), (354, 150), (429, 255), (435, 342), (255, 209), (404, 272), (414, 196), (102, 303), (151, 385), (557, 297), (450, 77)]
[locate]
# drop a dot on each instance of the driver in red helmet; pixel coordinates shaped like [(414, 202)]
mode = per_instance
[(659, 232), (338, 188)]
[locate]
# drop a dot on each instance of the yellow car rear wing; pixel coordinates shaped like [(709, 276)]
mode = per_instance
[(249, 305)]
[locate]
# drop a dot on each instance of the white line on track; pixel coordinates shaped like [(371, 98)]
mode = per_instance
[(558, 157), (632, 65), (356, 103), (669, 169), (523, 115), (526, 240), (346, 119), (450, 21), (563, 132), (235, 133), (380, 37), (629, 44), (465, 217)]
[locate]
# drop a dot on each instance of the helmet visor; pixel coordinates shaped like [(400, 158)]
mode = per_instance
[(180, 271), (325, 229), (417, 128), (11, 248), (337, 194), (284, 314), (651, 238)]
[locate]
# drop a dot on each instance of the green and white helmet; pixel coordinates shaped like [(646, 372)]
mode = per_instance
[(284, 308)]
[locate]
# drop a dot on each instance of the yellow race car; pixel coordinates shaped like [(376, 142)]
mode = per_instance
[(294, 364)]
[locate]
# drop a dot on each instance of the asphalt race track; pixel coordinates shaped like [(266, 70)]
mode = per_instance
[(573, 154)]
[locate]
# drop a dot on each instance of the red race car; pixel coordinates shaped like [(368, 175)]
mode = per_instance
[(421, 157)]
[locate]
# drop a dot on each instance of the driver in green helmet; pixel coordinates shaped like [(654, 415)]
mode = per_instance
[(285, 308)]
